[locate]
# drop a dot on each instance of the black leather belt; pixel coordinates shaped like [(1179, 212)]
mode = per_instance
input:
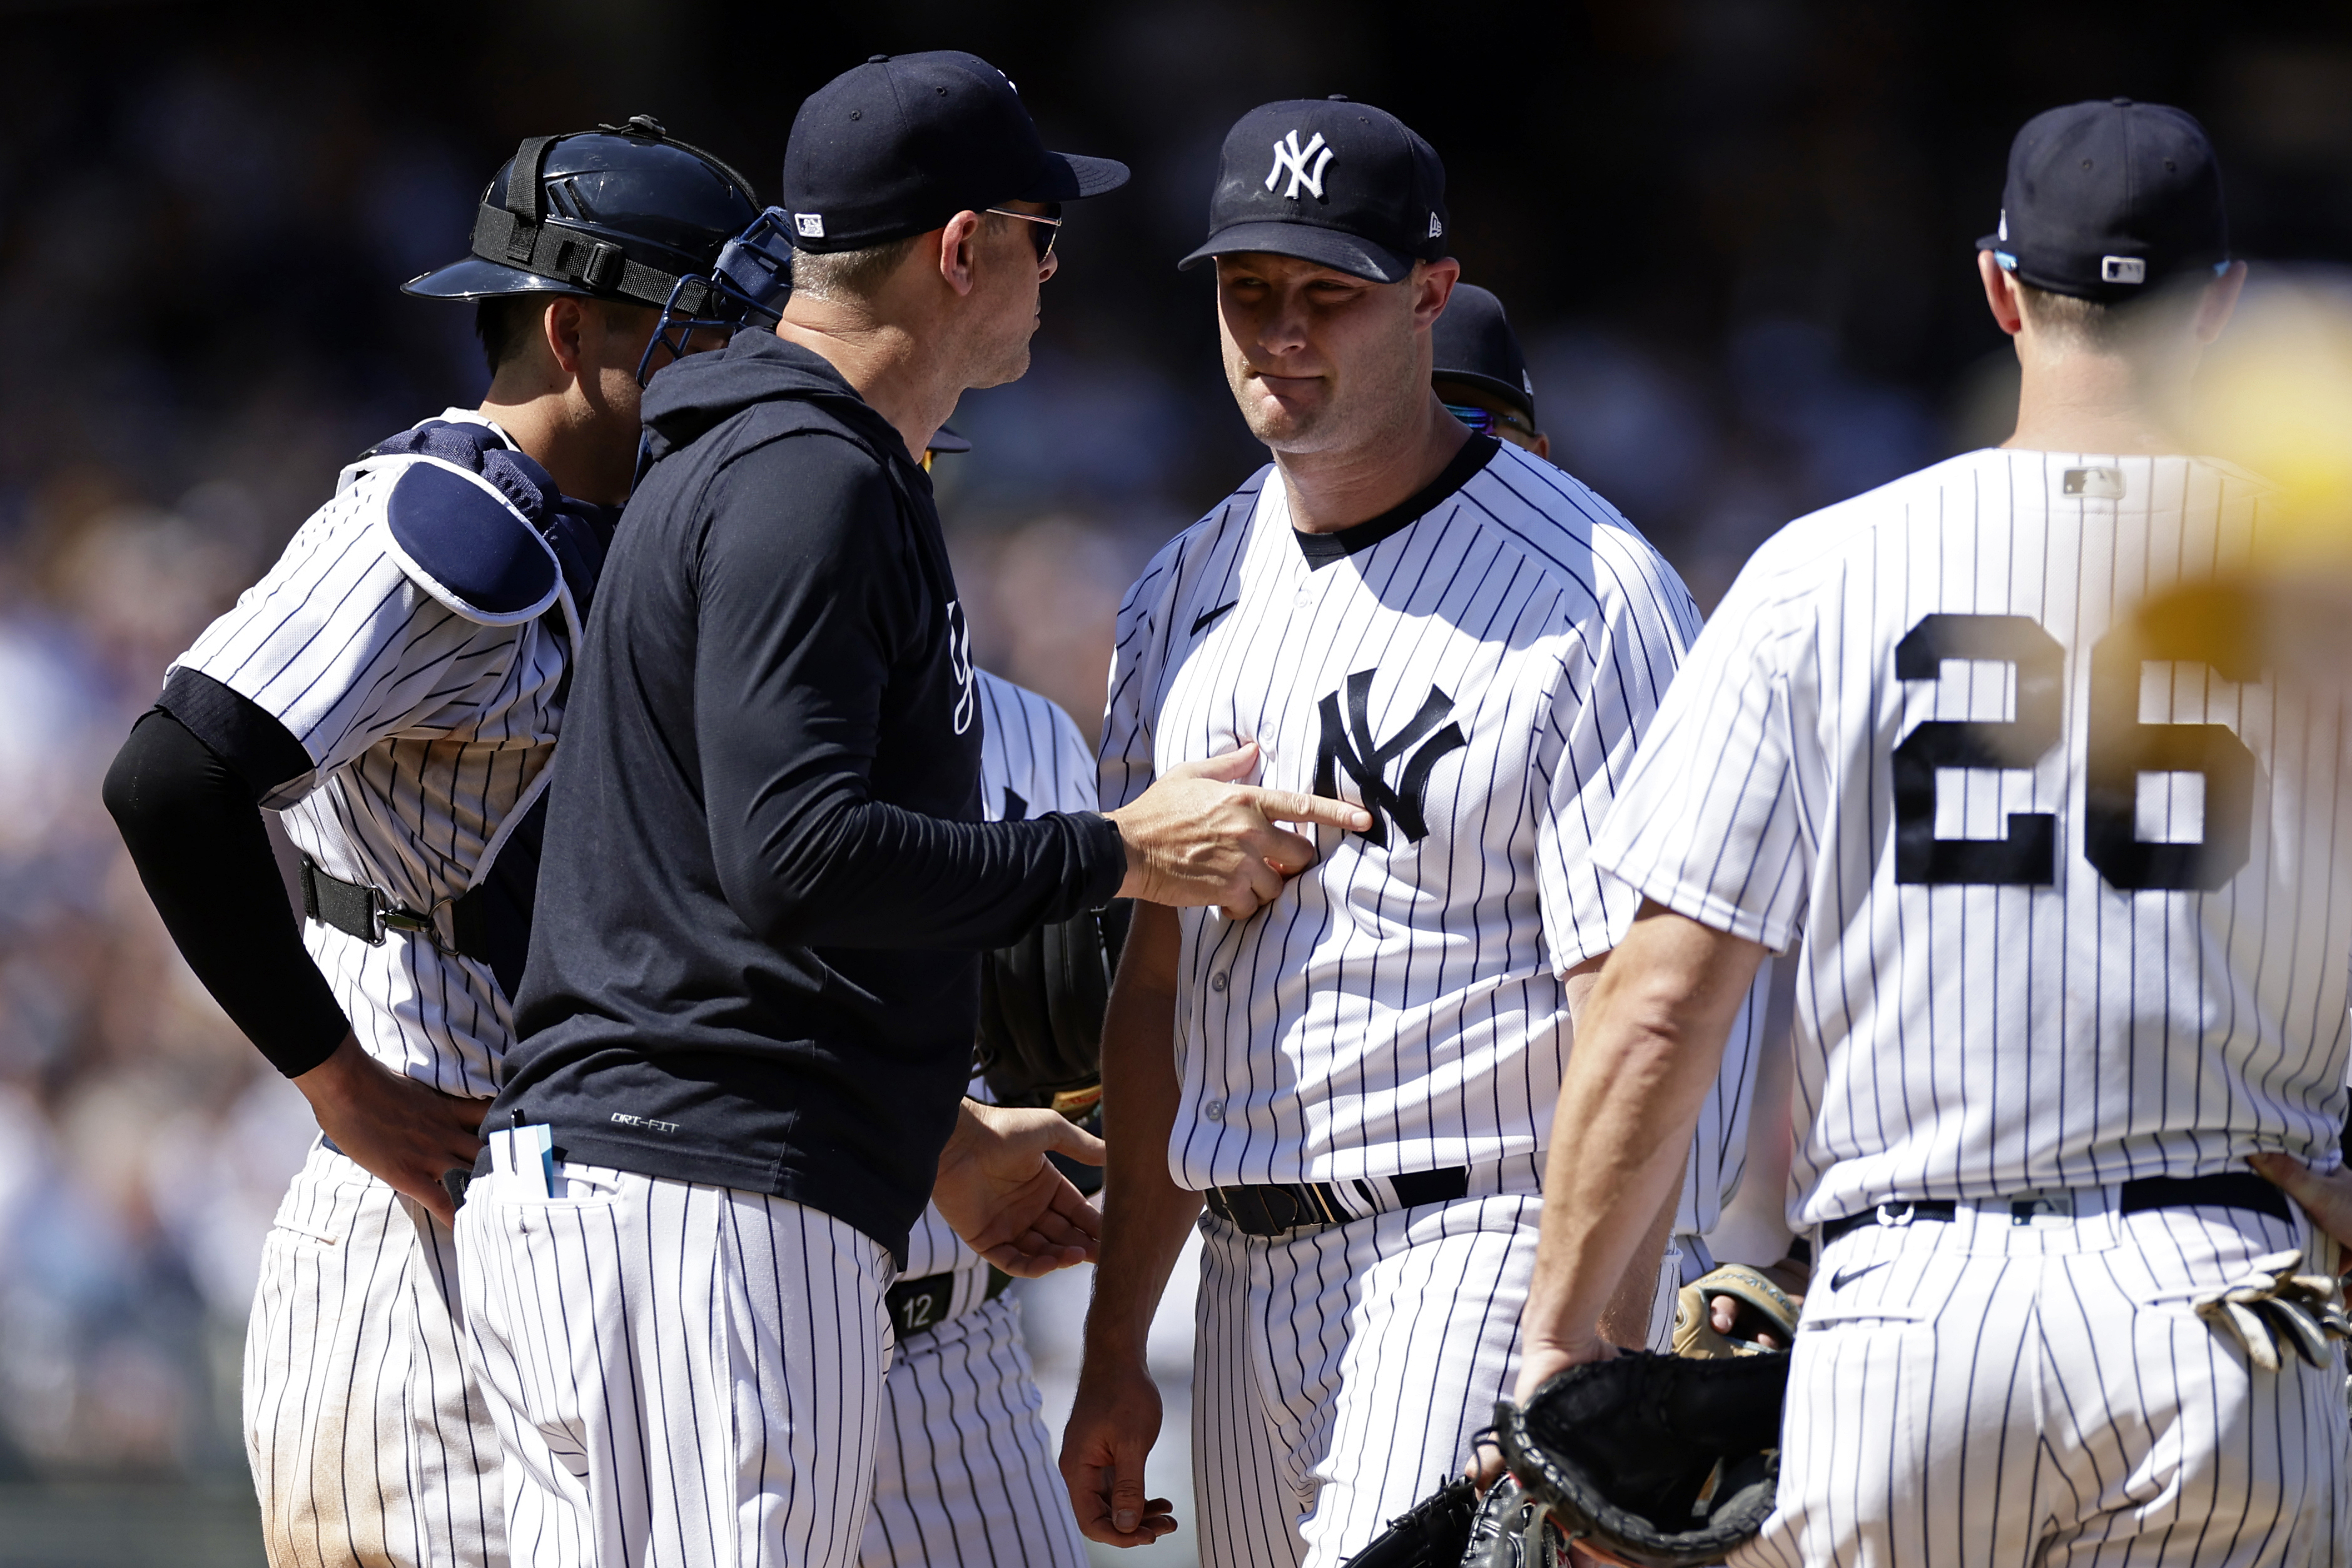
[(366, 914), (918, 1306), (2226, 1189), (1269, 1210)]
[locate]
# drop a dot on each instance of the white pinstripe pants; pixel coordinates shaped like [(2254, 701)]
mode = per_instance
[(1979, 1394), (1342, 1369), (681, 1374), (368, 1446), (964, 1472)]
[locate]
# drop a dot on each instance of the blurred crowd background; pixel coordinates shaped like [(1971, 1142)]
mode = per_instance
[(1735, 234)]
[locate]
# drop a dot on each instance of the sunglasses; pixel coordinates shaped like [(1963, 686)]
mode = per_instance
[(1047, 226), (1483, 421)]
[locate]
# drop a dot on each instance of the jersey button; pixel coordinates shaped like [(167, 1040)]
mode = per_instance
[(1217, 982), (1215, 1110), (1305, 594)]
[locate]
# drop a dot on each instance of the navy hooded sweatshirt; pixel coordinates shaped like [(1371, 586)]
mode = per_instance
[(765, 880)]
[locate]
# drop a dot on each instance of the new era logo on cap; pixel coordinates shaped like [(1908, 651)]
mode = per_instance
[(810, 225)]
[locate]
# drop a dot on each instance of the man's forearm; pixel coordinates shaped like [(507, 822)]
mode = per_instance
[(1649, 1043), (1145, 1213), (1626, 1319)]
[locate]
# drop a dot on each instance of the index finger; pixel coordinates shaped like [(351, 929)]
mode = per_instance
[(1289, 806)]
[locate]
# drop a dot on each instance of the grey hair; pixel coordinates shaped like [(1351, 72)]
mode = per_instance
[(858, 275)]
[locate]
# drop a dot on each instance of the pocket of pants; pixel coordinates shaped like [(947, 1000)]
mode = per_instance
[(570, 1190)]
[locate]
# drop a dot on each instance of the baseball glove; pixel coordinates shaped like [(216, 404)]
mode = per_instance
[(1041, 1011), (1432, 1533), (2274, 1308), (1511, 1531), (1656, 1461), (1696, 1334)]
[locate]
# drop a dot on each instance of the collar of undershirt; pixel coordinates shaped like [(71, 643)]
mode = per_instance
[(476, 416), (1322, 549)]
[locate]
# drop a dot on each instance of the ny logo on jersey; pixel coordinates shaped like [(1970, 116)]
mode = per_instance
[(1288, 154), (1350, 745)]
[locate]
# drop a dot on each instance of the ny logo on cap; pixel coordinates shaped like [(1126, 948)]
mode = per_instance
[(810, 225), (1288, 154)]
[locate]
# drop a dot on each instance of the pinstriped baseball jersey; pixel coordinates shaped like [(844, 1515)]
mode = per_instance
[(1032, 760), (430, 732), (2076, 908), (1475, 667)]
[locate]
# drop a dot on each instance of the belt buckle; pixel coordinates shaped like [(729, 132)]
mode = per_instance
[(2042, 1208), (1894, 1217), (388, 916)]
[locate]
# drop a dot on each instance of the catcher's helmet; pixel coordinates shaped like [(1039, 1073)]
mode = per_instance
[(622, 211)]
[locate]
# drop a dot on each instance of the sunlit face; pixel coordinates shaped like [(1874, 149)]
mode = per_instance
[(1008, 281), (1318, 360)]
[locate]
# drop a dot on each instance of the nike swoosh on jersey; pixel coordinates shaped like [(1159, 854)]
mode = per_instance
[(1208, 618), (1844, 1277)]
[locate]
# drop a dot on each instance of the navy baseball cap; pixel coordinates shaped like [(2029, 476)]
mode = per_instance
[(2105, 200), (1328, 181), (1472, 342), (902, 143)]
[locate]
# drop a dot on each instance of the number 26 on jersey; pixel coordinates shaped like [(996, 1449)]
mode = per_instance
[(2118, 749)]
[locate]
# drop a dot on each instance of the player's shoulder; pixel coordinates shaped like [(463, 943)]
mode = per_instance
[(1224, 526), (1568, 532), (1814, 550), (448, 502)]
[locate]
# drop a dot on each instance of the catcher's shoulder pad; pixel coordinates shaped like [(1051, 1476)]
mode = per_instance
[(1434, 1533), (1662, 1461), (461, 539)]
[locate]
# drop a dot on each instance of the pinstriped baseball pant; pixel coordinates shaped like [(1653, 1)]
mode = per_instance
[(1342, 1369), (682, 1376), (964, 1472), (1985, 1393), (368, 1446)]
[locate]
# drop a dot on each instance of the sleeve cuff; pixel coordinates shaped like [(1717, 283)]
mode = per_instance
[(1709, 910), (1102, 855), (251, 740), (327, 1028)]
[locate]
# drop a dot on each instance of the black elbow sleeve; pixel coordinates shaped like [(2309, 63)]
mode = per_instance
[(195, 835)]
